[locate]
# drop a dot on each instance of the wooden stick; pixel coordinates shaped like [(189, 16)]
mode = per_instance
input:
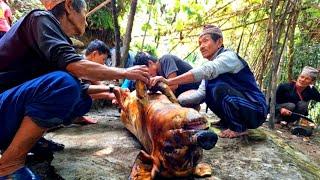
[(98, 7)]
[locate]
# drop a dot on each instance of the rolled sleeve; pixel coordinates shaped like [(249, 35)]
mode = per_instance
[(168, 65), (51, 42), (226, 62)]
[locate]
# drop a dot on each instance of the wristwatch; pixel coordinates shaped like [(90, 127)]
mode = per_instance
[(111, 88)]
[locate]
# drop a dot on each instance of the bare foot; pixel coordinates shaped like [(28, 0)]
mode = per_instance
[(84, 120), (231, 134)]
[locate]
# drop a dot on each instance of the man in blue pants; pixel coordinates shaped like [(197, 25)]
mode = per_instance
[(39, 79), (228, 86)]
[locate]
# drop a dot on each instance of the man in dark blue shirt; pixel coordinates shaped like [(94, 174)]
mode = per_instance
[(168, 66), (39, 79)]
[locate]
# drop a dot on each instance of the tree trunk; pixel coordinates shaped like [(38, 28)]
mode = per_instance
[(278, 26), (116, 31), (240, 41), (291, 41), (274, 57), (127, 39), (145, 31)]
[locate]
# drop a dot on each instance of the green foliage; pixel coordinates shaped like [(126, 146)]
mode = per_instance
[(146, 27), (20, 8), (101, 20), (314, 111), (146, 48), (192, 58)]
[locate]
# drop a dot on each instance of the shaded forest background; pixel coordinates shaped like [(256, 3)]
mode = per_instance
[(277, 37)]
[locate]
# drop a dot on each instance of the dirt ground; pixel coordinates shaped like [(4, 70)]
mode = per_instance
[(107, 150)]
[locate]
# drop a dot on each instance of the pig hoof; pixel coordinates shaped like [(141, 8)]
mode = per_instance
[(203, 170)]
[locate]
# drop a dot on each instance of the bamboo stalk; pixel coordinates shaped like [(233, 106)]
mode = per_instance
[(97, 8)]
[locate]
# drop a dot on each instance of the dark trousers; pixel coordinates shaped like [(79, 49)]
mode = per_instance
[(2, 34), (50, 100), (301, 107), (236, 111)]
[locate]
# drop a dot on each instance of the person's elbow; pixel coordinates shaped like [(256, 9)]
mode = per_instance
[(77, 68)]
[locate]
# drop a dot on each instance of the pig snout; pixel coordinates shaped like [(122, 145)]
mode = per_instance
[(206, 139)]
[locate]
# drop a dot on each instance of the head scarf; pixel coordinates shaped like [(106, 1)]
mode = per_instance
[(50, 4)]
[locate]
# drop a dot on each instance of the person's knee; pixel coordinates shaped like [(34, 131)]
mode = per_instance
[(62, 89), (215, 96), (302, 107), (55, 99), (63, 80), (61, 83), (219, 92), (184, 98), (220, 89), (289, 106)]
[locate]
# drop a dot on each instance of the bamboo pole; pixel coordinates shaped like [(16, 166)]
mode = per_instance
[(116, 31), (97, 8), (127, 39)]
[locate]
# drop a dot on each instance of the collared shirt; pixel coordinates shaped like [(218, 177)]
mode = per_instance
[(286, 92), (225, 62)]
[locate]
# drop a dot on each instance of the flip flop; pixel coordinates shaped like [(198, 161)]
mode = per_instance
[(22, 173), (43, 150), (301, 131), (49, 144)]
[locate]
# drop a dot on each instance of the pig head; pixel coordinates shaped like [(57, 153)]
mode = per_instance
[(173, 137)]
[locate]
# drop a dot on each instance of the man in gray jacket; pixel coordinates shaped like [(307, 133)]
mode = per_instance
[(228, 86)]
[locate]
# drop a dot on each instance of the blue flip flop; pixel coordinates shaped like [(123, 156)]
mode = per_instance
[(23, 173)]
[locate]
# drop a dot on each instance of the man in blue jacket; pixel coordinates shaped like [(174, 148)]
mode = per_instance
[(39, 79)]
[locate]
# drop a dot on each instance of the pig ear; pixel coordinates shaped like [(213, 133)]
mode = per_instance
[(165, 89), (141, 90), (154, 171), (142, 167), (155, 166), (145, 157), (120, 95)]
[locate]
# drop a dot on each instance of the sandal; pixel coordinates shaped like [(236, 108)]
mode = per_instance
[(43, 150), (22, 173), (49, 145)]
